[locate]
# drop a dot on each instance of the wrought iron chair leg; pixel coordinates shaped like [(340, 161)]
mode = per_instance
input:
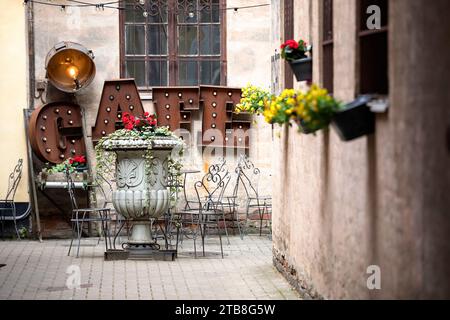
[(225, 226), (236, 214), (224, 223), (203, 230), (247, 211), (80, 232), (122, 224), (79, 235), (15, 221), (220, 239), (2, 220), (73, 236)]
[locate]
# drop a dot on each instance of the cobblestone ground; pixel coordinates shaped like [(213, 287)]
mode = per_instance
[(38, 271)]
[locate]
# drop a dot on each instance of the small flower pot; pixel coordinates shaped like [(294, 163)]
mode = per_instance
[(302, 69), (304, 128), (355, 120), (81, 169)]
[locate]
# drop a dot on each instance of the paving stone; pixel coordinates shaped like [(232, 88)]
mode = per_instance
[(38, 271)]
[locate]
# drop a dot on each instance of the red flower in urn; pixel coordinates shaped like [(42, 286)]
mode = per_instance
[(147, 121)]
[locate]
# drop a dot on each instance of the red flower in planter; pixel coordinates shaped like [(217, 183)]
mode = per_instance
[(291, 43), (293, 50), (78, 159)]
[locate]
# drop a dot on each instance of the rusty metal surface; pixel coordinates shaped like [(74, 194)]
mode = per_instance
[(118, 96), (55, 132), (174, 105), (218, 104)]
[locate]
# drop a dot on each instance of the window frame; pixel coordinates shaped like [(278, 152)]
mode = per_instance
[(172, 55), (362, 34), (327, 37)]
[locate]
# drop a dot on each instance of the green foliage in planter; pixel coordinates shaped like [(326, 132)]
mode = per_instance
[(253, 100), (312, 110)]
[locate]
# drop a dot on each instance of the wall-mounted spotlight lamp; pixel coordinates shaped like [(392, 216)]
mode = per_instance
[(70, 66)]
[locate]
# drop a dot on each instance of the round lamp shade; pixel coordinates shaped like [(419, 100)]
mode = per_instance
[(70, 66)]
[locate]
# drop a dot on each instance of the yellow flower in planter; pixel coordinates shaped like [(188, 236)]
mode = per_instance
[(253, 100), (311, 110)]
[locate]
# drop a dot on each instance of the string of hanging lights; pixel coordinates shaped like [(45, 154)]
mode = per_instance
[(111, 5)]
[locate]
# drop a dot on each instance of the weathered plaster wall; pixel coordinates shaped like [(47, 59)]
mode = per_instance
[(13, 94), (380, 200)]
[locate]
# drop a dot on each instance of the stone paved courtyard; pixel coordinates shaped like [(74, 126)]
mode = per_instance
[(38, 271)]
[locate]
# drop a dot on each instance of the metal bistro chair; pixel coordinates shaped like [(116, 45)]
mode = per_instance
[(8, 204), (82, 215), (261, 204), (209, 191), (106, 190)]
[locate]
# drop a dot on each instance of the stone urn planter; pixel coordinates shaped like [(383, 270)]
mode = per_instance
[(141, 177)]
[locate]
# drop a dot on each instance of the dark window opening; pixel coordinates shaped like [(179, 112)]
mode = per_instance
[(373, 50), (288, 35), (327, 45)]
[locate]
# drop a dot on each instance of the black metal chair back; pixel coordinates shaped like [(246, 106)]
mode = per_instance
[(212, 186), (106, 189), (71, 189), (249, 175), (8, 202), (13, 181)]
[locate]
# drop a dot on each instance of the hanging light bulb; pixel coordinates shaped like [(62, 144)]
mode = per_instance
[(73, 72), (141, 2), (145, 14), (191, 14)]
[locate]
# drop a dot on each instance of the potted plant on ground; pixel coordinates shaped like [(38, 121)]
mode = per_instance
[(298, 54), (140, 156), (76, 166)]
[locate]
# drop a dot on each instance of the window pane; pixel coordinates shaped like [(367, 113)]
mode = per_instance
[(209, 39), (187, 73), (136, 70), (134, 40), (133, 14), (205, 14), (209, 12), (187, 11), (157, 72), (210, 72), (215, 11), (157, 12), (187, 40), (157, 39)]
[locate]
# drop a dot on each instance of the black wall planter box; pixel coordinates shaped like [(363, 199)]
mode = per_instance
[(356, 120), (302, 69)]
